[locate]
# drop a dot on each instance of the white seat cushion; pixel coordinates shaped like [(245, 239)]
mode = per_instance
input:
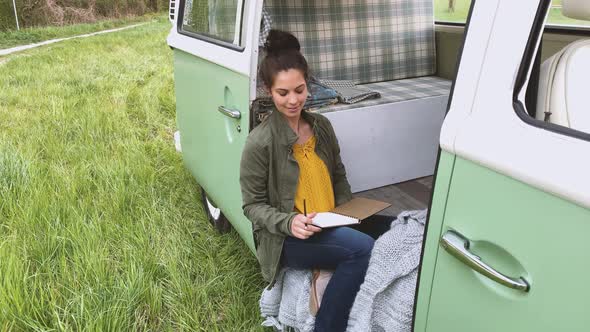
[(562, 87), (576, 9)]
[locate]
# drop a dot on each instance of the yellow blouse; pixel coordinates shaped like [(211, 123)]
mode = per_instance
[(314, 185)]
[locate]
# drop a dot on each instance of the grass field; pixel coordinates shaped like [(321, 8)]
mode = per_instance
[(100, 225), (442, 13), (13, 38)]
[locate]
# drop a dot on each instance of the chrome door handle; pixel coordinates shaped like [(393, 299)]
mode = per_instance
[(458, 246), (232, 113)]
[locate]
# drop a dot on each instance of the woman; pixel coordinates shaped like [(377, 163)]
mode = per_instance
[(293, 159)]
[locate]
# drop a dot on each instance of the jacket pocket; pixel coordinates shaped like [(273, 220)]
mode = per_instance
[(269, 252)]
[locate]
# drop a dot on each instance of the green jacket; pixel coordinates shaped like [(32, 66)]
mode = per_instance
[(268, 176)]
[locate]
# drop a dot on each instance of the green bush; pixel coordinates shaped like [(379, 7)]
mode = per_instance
[(34, 13), (6, 16)]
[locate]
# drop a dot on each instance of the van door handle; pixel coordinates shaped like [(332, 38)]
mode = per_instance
[(232, 113), (458, 246)]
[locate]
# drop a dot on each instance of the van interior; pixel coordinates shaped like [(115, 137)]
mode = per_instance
[(389, 144)]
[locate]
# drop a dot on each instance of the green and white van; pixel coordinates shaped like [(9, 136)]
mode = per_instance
[(497, 108)]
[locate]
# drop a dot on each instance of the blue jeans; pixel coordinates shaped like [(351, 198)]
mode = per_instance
[(347, 251)]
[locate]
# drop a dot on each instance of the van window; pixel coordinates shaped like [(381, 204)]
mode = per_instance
[(556, 17), (555, 95), (451, 11), (217, 19), (456, 11)]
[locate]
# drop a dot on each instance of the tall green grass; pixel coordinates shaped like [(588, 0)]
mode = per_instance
[(25, 36), (100, 225)]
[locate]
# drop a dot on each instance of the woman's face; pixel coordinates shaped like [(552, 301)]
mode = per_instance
[(289, 92)]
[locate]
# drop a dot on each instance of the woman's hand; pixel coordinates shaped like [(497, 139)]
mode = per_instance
[(302, 228)]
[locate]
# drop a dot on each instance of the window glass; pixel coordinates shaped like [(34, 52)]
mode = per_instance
[(457, 10), (556, 95), (451, 10), (213, 18), (557, 18)]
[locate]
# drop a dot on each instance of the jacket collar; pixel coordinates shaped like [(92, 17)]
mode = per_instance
[(283, 132)]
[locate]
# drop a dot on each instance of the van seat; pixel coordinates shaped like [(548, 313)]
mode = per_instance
[(397, 91), (562, 97), (363, 41)]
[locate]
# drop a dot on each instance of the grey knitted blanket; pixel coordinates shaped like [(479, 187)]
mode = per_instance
[(386, 297), (287, 303)]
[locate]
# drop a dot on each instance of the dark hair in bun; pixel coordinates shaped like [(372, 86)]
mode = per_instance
[(282, 53), (278, 41)]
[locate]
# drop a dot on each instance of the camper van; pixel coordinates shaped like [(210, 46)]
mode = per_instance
[(490, 115)]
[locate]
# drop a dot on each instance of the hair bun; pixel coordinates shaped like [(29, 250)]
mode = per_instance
[(280, 41)]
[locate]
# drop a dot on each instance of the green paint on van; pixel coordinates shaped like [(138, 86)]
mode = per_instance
[(520, 231), (212, 143), (435, 220)]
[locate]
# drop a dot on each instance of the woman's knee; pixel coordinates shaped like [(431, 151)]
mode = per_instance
[(359, 243)]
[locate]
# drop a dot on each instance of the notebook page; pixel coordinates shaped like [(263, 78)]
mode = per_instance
[(329, 219)]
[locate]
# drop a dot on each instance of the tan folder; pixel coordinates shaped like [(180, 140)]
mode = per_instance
[(361, 208)]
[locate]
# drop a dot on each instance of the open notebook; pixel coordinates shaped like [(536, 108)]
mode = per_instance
[(349, 213)]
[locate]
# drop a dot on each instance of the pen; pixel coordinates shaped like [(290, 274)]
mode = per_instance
[(304, 211)]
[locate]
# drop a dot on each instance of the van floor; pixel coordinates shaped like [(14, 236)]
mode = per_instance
[(409, 195)]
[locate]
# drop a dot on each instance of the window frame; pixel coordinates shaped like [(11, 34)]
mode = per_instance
[(525, 69), (210, 38), (549, 28)]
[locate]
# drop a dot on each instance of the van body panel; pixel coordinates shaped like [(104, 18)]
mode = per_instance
[(522, 232), (472, 58), (212, 142), (493, 135), (442, 182), (518, 192)]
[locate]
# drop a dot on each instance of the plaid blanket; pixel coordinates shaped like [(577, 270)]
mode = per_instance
[(358, 40), (350, 93), (390, 92), (398, 91), (265, 27), (319, 95)]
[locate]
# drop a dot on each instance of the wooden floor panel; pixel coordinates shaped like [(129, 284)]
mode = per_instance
[(410, 195)]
